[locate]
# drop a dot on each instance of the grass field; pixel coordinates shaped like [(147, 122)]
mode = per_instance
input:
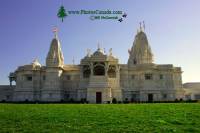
[(89, 118)]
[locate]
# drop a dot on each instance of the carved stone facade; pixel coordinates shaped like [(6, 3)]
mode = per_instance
[(99, 78)]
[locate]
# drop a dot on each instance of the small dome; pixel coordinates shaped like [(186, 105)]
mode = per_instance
[(36, 63), (98, 52)]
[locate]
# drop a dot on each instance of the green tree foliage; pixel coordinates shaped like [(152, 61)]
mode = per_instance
[(62, 13)]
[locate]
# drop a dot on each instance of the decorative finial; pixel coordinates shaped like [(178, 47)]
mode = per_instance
[(143, 25), (98, 45), (73, 61), (110, 52), (88, 52), (55, 31), (140, 26), (36, 62), (138, 31)]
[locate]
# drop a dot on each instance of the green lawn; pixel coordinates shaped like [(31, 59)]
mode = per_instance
[(89, 118)]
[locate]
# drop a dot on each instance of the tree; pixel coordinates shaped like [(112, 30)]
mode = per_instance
[(62, 13)]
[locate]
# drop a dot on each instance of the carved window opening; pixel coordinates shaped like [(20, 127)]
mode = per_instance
[(29, 77), (112, 72), (161, 76), (135, 97), (134, 62), (68, 77), (66, 96), (86, 71), (44, 77), (99, 69), (197, 96), (164, 96), (148, 76), (7, 97)]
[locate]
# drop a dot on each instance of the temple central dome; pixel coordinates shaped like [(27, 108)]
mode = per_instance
[(99, 52)]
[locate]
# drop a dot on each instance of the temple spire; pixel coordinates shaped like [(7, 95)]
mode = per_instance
[(143, 25), (140, 26), (55, 56), (140, 52)]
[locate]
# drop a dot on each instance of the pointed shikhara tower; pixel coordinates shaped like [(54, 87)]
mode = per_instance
[(140, 52), (52, 90), (143, 80), (55, 56)]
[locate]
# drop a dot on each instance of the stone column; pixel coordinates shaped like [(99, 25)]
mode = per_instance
[(81, 73), (106, 69), (91, 68)]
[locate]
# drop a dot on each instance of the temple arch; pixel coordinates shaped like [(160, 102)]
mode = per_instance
[(99, 69)]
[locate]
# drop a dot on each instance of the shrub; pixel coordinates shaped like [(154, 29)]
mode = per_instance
[(108, 102), (119, 102), (71, 100), (83, 100), (3, 101), (126, 100)]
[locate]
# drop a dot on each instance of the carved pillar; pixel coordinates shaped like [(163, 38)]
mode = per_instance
[(10, 83), (117, 71), (92, 68), (81, 73), (106, 68)]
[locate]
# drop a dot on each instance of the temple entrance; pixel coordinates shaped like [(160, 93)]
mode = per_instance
[(150, 97), (98, 97)]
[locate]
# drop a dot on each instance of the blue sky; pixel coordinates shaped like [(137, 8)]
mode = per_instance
[(172, 27)]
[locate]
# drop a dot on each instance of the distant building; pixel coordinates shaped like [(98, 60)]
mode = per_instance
[(99, 78), (192, 90)]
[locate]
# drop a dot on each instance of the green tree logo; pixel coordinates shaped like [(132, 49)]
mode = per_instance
[(62, 13)]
